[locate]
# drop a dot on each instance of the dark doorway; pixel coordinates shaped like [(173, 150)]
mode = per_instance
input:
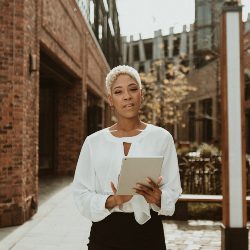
[(55, 83), (46, 127), (94, 113), (248, 131)]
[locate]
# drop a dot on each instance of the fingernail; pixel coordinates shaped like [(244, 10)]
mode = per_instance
[(138, 185), (148, 179)]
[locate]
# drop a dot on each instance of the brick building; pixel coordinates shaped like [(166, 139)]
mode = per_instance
[(203, 119), (52, 72), (102, 16)]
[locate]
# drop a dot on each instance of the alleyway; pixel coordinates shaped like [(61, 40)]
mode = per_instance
[(58, 225)]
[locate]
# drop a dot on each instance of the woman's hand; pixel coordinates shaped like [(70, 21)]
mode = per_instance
[(120, 199), (151, 194), (116, 200)]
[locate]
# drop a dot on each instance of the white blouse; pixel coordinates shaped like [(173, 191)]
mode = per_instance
[(99, 163)]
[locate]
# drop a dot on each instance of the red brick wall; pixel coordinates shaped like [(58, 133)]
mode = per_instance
[(204, 79), (18, 182), (70, 131), (58, 27), (30, 107), (65, 41)]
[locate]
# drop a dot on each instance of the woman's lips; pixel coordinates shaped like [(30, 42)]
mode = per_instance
[(129, 105)]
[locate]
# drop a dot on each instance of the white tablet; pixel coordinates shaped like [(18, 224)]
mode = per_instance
[(135, 170)]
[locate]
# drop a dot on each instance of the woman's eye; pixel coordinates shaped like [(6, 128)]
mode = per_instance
[(117, 92), (134, 89)]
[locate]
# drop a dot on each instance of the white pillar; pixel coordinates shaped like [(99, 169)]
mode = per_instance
[(234, 230), (191, 46), (158, 45), (131, 52), (124, 50), (141, 50), (183, 43)]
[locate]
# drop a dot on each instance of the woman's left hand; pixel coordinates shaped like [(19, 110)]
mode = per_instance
[(151, 194)]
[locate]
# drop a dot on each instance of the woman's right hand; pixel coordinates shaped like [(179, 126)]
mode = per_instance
[(120, 199), (116, 200)]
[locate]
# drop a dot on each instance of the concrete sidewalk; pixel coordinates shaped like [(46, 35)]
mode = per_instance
[(58, 225)]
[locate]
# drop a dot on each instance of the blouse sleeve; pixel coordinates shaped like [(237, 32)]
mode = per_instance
[(171, 185), (90, 204)]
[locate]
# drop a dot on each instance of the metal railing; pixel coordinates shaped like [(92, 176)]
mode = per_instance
[(203, 175)]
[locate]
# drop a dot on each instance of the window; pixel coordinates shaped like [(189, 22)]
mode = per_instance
[(105, 3), (192, 122), (136, 52), (92, 12), (206, 115), (176, 45), (204, 38), (166, 47), (148, 50), (111, 27), (204, 15), (128, 53), (100, 32)]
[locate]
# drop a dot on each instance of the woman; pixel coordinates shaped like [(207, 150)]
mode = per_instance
[(125, 222)]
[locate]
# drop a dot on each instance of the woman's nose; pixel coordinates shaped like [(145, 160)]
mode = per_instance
[(126, 95)]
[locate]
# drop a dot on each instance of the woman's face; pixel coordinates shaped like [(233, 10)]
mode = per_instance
[(126, 96)]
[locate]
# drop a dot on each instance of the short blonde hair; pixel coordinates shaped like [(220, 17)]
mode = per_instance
[(120, 70)]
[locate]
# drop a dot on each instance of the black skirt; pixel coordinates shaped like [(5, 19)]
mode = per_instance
[(121, 231)]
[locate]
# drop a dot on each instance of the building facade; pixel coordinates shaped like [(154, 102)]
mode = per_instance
[(199, 46), (143, 52), (102, 16), (203, 119), (52, 95)]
